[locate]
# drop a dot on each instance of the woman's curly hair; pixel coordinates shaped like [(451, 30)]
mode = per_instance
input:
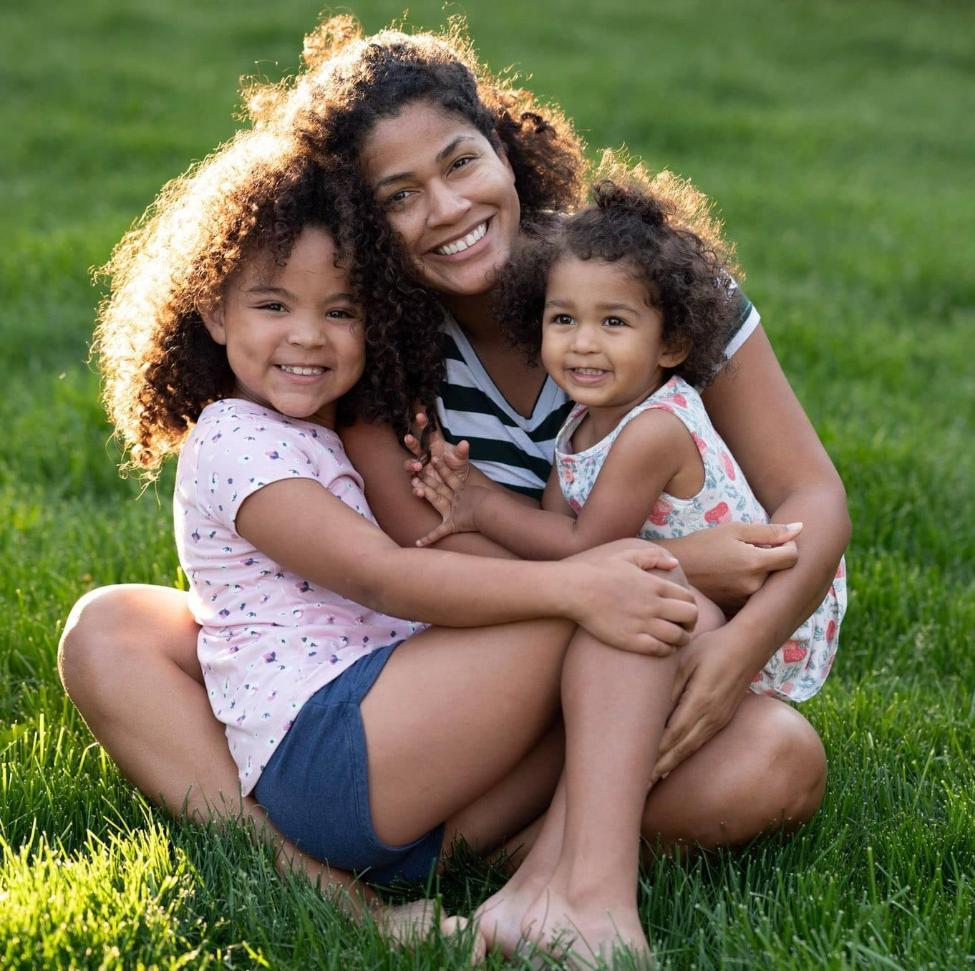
[(253, 196), (350, 82), (663, 230)]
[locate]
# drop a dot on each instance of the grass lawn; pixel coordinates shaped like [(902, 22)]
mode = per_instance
[(838, 139)]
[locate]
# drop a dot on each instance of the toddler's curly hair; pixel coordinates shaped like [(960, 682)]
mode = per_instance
[(351, 81), (252, 197), (663, 230)]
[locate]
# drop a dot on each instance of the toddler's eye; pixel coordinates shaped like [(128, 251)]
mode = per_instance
[(340, 313), (615, 322), (563, 319), (274, 307)]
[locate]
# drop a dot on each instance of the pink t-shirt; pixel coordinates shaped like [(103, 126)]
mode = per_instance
[(270, 639)]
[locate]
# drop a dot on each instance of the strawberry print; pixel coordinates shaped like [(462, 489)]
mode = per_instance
[(797, 670)]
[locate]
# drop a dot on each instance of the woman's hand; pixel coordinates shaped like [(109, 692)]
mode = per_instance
[(711, 682), (730, 562), (627, 596)]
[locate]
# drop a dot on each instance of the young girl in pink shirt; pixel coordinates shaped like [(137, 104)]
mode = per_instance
[(249, 317)]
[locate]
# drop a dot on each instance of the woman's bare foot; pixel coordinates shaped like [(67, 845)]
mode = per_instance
[(582, 933), (407, 924), (499, 918)]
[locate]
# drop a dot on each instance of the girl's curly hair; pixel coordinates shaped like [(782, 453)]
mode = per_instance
[(255, 194), (661, 228), (351, 81)]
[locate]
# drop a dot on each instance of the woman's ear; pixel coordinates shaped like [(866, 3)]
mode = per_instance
[(215, 321), (501, 151)]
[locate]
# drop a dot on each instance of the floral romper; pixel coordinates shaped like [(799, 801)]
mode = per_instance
[(797, 670)]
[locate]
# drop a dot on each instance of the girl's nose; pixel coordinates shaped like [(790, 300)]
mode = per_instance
[(306, 332), (446, 205), (584, 339)]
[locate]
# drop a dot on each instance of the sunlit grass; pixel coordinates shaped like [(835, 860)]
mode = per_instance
[(836, 138)]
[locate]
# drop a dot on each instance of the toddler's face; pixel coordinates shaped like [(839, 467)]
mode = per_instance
[(601, 340), (294, 335)]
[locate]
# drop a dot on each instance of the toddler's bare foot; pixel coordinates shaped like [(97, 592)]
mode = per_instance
[(586, 932)]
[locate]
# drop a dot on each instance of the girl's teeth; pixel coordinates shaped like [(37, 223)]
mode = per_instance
[(301, 370), (469, 240)]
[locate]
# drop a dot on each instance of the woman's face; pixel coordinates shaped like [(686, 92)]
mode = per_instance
[(447, 193)]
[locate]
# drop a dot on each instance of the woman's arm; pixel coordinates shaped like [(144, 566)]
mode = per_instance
[(378, 457), (301, 525)]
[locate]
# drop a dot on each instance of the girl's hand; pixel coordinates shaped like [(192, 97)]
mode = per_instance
[(709, 688), (627, 597), (454, 457), (451, 496), (730, 562)]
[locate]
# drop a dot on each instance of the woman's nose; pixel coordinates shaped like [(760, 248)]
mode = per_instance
[(446, 204)]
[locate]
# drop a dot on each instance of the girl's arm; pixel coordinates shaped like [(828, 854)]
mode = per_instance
[(757, 414), (302, 526)]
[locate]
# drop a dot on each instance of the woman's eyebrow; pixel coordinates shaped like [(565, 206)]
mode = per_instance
[(441, 155)]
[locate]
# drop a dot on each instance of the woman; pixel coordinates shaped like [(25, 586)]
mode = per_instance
[(457, 162)]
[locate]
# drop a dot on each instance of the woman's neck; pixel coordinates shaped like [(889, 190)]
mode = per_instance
[(474, 315)]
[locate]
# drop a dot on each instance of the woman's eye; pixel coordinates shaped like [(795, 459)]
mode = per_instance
[(462, 161), (615, 322), (398, 198)]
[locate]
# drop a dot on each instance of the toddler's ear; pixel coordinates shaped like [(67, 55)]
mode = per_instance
[(214, 321), (674, 352)]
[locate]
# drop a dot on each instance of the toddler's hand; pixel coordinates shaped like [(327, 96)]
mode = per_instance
[(450, 495), (455, 457)]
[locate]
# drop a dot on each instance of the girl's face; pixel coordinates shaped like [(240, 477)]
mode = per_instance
[(601, 339), (294, 334), (448, 194)]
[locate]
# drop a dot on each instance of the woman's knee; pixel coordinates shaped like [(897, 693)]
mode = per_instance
[(109, 625), (795, 765)]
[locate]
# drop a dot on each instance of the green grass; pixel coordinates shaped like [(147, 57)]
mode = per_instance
[(837, 138)]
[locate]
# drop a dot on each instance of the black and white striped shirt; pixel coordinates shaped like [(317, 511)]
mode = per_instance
[(512, 449)]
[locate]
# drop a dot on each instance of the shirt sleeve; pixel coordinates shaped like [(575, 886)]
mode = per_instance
[(236, 457), (746, 321)]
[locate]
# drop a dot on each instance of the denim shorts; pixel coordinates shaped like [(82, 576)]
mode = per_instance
[(316, 786)]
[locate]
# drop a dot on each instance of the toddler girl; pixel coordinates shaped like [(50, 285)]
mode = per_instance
[(237, 333), (630, 302)]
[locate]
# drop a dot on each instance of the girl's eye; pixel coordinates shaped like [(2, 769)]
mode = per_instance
[(273, 307), (340, 313), (615, 322), (563, 319)]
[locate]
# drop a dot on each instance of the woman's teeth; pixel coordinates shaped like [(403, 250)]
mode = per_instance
[(461, 244), (301, 370)]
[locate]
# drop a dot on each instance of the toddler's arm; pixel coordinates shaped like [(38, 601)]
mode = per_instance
[(647, 455)]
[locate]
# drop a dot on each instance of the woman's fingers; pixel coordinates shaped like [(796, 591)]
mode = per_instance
[(778, 557), (768, 534)]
